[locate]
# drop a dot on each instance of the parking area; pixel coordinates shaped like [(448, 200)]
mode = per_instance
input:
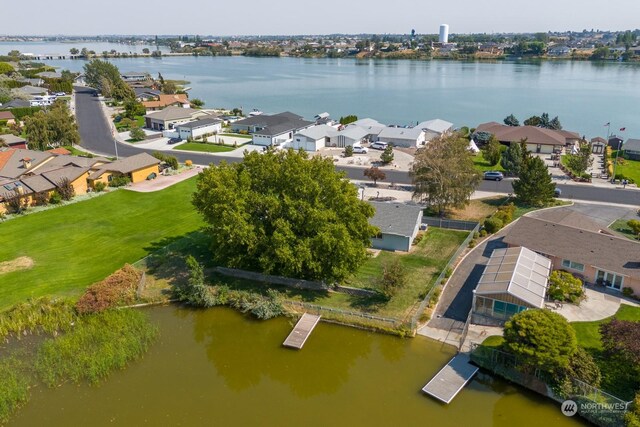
[(401, 160)]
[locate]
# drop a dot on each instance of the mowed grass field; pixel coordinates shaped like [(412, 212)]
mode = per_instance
[(76, 245)]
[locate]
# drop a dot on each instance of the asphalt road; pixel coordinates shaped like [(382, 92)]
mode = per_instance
[(96, 136)]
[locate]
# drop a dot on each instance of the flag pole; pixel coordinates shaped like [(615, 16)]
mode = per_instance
[(615, 163)]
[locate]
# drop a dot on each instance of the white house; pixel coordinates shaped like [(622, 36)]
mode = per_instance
[(373, 128), (313, 138), (402, 137), (204, 126), (435, 128)]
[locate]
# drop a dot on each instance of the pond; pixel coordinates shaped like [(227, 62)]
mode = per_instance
[(217, 367)]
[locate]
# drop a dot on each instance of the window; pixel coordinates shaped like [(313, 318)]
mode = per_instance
[(572, 265)]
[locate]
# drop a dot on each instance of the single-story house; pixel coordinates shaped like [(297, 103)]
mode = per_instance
[(272, 130), (137, 168), (8, 116), (313, 138), (163, 101), (349, 136), (371, 126), (539, 140), (402, 137), (435, 128), (598, 145), (171, 116), (631, 149), (582, 249), (16, 162), (13, 141), (197, 128), (33, 90), (17, 103), (398, 224), (146, 94), (515, 279)]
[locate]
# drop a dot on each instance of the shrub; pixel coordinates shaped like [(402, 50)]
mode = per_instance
[(505, 213), (394, 276), (348, 151), (99, 186), (188, 163), (627, 292), (448, 272), (137, 134), (117, 289), (563, 286), (65, 189), (483, 233), (119, 181), (14, 387), (41, 199), (634, 225), (55, 198), (493, 225)]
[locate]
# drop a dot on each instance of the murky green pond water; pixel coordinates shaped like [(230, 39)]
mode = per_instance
[(216, 367)]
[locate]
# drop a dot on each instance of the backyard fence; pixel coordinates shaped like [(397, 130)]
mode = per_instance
[(452, 224), (439, 281)]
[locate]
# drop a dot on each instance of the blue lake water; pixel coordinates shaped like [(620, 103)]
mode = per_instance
[(585, 95)]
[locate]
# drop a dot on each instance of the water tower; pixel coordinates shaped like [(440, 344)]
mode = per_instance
[(444, 34)]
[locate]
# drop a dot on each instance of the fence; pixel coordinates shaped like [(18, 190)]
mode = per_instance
[(452, 224), (318, 309), (438, 283)]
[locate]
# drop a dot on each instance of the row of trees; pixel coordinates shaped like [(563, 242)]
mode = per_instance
[(105, 77), (541, 121)]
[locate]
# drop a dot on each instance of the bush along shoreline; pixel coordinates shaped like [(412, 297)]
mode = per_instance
[(57, 341)]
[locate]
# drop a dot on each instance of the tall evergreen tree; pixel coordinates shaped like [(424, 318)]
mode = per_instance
[(511, 120), (513, 157), (534, 186)]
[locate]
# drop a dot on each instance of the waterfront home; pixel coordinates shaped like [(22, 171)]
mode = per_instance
[(198, 128), (8, 117), (314, 138), (137, 168), (171, 116), (631, 149), (131, 77), (371, 126), (398, 224), (272, 129), (559, 51), (538, 140), (580, 246), (402, 137), (435, 128), (13, 141), (515, 279), (146, 94), (164, 101)]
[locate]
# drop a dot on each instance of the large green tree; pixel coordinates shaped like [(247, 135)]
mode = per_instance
[(492, 151), (286, 214), (52, 127), (105, 77), (541, 339), (511, 120), (443, 173), (534, 186), (581, 160), (513, 157)]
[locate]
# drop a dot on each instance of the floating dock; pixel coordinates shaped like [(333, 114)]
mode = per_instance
[(301, 331), (451, 379)]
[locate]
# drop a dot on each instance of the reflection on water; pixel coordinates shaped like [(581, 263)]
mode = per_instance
[(216, 367)]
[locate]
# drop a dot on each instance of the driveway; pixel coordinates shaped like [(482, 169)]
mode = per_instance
[(162, 182)]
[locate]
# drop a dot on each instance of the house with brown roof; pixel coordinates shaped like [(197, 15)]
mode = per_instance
[(581, 248), (538, 140), (8, 116), (164, 101), (137, 168), (13, 141)]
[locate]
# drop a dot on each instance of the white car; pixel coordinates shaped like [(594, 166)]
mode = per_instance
[(379, 145), (357, 149)]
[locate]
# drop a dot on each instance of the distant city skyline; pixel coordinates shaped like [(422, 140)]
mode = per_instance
[(292, 17)]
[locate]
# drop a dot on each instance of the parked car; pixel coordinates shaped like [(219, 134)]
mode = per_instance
[(557, 192), (174, 140), (379, 145), (494, 175), (60, 94), (360, 150)]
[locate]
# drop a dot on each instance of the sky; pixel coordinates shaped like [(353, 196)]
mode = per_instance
[(284, 17)]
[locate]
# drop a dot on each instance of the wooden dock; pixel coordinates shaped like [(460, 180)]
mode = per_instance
[(451, 379), (301, 331)]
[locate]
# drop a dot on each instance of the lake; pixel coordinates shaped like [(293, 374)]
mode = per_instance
[(59, 48), (585, 95), (217, 367)]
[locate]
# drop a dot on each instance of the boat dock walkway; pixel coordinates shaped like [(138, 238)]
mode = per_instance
[(301, 331), (451, 379)]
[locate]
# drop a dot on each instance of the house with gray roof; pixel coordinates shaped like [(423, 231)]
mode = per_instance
[(515, 279), (435, 128), (272, 129), (631, 149), (13, 141), (169, 117), (198, 128), (402, 137), (398, 224)]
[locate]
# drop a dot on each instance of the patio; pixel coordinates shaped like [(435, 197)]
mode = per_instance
[(598, 305)]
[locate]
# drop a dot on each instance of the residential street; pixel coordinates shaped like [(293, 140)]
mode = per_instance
[(96, 137)]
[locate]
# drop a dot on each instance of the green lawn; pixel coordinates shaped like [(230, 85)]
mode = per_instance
[(588, 333), (621, 227), (75, 245), (202, 147), (482, 165), (138, 119), (630, 169), (236, 135), (75, 151)]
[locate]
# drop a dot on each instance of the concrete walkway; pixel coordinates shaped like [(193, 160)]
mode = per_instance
[(597, 306), (162, 182)]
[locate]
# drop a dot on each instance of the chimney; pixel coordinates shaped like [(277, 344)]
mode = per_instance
[(26, 163)]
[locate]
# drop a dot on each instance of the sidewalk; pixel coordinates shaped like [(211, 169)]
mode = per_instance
[(162, 182)]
